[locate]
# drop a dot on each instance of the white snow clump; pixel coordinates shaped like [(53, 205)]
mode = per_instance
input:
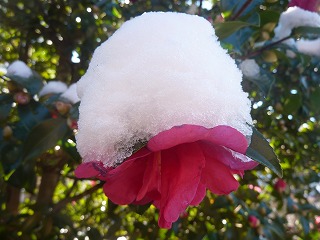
[(159, 70), (20, 69), (295, 17), (71, 94), (250, 68), (309, 47), (53, 87)]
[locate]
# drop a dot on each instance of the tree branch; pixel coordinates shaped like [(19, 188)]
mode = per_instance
[(259, 51), (65, 201), (241, 10)]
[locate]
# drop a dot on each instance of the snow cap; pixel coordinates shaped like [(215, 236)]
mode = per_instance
[(159, 70), (250, 68), (19, 69), (53, 87), (295, 17), (71, 94)]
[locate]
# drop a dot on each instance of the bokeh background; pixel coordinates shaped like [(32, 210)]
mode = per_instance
[(40, 198)]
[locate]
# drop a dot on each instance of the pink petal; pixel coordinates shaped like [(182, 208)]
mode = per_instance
[(220, 135), (230, 158), (200, 194), (90, 169), (181, 169), (124, 182), (218, 177), (151, 179)]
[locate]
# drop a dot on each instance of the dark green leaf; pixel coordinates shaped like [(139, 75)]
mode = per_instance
[(292, 104), (33, 83), (43, 137), (315, 100), (24, 177), (225, 29), (30, 115), (5, 106), (305, 225), (306, 31), (261, 151)]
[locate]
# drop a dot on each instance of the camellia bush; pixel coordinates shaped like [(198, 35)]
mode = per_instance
[(45, 48)]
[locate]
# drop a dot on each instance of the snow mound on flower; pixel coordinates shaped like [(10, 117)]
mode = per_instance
[(309, 47), (20, 69), (53, 87), (71, 94), (157, 71), (295, 17), (250, 68)]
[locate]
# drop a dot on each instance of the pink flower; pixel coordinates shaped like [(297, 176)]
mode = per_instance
[(309, 5), (254, 222), (175, 168), (280, 185)]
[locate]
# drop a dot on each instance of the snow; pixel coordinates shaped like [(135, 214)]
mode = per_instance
[(19, 69), (53, 87), (71, 94), (309, 47), (295, 17), (250, 68), (157, 71)]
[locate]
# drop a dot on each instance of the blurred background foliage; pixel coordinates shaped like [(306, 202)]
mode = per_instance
[(41, 199)]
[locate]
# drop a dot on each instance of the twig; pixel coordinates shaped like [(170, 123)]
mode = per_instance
[(65, 201), (255, 53), (241, 10)]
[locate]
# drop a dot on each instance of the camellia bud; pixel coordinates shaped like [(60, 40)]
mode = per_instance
[(7, 132), (280, 185), (21, 98), (254, 222), (62, 107), (73, 124)]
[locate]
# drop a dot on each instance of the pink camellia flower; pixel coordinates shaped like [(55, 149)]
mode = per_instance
[(175, 168), (309, 5), (280, 185), (175, 93), (254, 222)]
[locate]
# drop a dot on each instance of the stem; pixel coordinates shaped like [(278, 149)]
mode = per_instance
[(241, 10), (65, 201), (259, 51), (200, 8), (13, 200)]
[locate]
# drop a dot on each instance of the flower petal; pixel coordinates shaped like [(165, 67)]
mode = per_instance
[(90, 169), (151, 179), (181, 169), (124, 182), (218, 177), (200, 194), (219, 135), (230, 158)]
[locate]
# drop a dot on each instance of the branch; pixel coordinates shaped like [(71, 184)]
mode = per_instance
[(259, 51), (241, 10), (65, 201)]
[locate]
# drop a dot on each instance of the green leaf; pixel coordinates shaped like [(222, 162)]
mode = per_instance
[(33, 83), (225, 29), (292, 104), (43, 137), (306, 31), (315, 100), (260, 151), (5, 106), (24, 177)]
